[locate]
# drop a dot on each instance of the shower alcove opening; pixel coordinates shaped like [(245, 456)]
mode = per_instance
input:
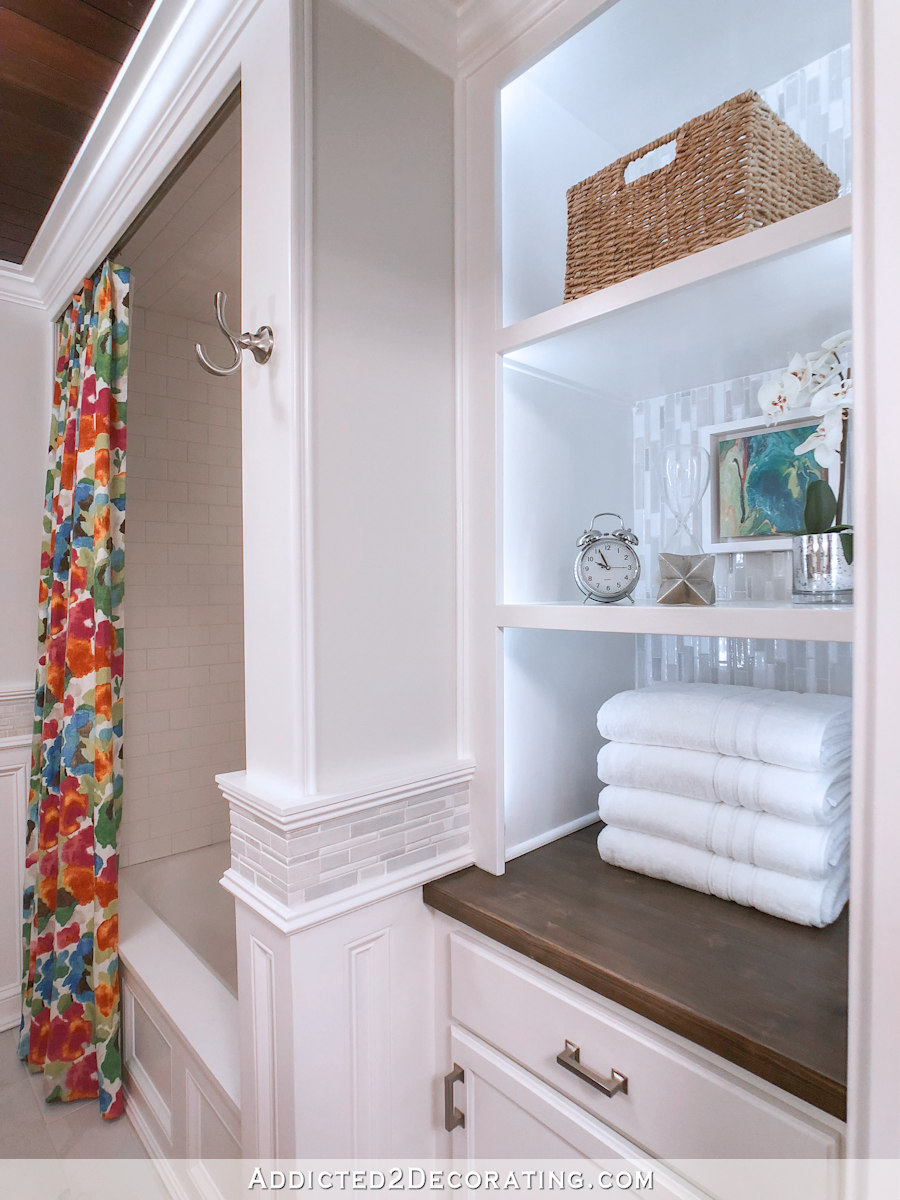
[(184, 706)]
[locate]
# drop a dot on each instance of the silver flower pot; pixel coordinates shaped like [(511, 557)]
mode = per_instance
[(822, 574)]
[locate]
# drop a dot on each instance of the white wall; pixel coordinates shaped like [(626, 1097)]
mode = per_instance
[(383, 406), (27, 357)]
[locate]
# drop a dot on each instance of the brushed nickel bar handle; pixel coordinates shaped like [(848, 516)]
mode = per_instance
[(453, 1118), (570, 1058)]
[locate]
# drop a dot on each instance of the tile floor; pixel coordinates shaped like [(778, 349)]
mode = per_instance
[(31, 1128)]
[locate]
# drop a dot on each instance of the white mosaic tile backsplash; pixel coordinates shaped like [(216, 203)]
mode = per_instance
[(348, 850), (758, 662), (815, 102), (660, 422)]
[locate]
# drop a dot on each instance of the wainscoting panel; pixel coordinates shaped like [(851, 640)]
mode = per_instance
[(15, 764), (148, 1054), (369, 968), (262, 976)]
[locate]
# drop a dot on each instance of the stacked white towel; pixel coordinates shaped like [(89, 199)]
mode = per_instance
[(740, 792)]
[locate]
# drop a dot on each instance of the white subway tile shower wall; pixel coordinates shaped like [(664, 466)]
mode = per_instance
[(349, 850), (17, 715), (184, 683)]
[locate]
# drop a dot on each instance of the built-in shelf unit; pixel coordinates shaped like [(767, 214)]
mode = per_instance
[(571, 403)]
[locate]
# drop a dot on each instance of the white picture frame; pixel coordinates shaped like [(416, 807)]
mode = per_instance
[(710, 436)]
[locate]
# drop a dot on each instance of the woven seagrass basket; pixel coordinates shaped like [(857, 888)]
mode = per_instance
[(736, 168)]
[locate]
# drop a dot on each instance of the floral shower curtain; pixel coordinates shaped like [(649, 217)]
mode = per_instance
[(70, 990)]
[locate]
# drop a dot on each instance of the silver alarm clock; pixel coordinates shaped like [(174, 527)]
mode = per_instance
[(607, 568)]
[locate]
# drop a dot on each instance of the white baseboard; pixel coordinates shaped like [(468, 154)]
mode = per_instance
[(551, 835)]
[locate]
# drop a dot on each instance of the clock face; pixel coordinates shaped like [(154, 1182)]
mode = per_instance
[(608, 569)]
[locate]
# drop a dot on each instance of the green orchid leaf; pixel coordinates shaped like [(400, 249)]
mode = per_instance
[(820, 508)]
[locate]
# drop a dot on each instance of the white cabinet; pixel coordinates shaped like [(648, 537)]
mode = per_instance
[(511, 1117), (510, 1021)]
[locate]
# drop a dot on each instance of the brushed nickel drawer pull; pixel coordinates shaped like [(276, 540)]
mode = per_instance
[(570, 1058), (453, 1118)]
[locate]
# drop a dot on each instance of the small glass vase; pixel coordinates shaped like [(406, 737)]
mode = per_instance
[(822, 574), (686, 571)]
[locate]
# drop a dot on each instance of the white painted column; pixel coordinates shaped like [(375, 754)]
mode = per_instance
[(354, 794)]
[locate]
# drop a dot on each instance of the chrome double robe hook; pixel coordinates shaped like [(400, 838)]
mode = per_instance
[(259, 344)]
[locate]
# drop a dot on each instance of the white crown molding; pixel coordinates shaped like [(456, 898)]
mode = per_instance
[(455, 36), (293, 920), (487, 26), (426, 27), (289, 814), (15, 695), (179, 60), (18, 287)]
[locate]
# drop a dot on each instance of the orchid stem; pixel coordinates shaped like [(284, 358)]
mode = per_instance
[(845, 438)]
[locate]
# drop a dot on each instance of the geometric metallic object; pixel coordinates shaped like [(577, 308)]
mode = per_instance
[(686, 579)]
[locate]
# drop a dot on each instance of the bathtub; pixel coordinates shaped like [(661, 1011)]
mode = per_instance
[(181, 1034)]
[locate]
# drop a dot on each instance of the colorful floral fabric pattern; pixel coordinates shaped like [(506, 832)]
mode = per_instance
[(70, 991)]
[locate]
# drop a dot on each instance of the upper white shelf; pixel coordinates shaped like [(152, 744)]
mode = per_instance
[(735, 309), (808, 623)]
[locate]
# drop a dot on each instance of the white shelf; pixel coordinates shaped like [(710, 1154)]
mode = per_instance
[(792, 622), (735, 309)]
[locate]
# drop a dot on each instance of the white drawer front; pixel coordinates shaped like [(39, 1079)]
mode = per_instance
[(676, 1106), (513, 1118)]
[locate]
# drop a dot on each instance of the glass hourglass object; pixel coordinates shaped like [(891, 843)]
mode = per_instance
[(685, 571)]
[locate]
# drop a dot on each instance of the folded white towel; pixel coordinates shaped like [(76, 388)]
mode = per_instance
[(816, 797), (807, 851), (809, 732), (805, 901)]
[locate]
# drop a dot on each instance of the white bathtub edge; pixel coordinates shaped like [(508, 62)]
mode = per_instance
[(199, 1005)]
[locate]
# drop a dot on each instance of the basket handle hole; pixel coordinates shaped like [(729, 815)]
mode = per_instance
[(652, 161)]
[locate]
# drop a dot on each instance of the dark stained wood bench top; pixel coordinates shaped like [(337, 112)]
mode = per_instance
[(763, 993)]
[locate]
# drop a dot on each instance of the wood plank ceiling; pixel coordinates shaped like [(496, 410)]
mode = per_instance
[(58, 60)]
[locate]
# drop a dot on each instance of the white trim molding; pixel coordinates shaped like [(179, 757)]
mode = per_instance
[(297, 814), (178, 65)]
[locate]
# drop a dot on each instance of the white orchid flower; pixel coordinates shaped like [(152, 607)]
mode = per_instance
[(840, 341), (822, 368), (837, 393), (778, 395), (825, 441), (798, 367)]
